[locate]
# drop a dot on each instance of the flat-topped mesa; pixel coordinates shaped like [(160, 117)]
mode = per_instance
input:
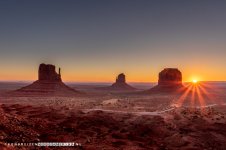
[(47, 72), (170, 81), (170, 77), (121, 78)]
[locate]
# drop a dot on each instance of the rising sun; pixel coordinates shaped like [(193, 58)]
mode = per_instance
[(194, 81)]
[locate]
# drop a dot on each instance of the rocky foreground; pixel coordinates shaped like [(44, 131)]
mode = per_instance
[(185, 128)]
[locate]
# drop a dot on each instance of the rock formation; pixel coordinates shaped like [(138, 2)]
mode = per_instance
[(170, 80), (170, 77), (48, 73), (49, 83), (121, 78), (120, 84)]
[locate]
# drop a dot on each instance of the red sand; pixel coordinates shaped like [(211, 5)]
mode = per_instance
[(180, 129)]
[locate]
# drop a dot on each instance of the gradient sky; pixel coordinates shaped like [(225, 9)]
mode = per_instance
[(94, 40)]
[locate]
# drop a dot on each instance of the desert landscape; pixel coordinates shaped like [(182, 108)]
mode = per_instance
[(169, 115), (112, 75)]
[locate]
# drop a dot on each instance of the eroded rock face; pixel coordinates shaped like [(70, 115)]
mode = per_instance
[(170, 77), (48, 73), (119, 85), (121, 78), (49, 83)]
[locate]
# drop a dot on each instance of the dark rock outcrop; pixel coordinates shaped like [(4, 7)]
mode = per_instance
[(170, 77), (121, 78), (120, 84), (170, 80), (49, 83), (48, 73)]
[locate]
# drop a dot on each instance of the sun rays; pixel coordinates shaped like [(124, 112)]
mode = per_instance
[(195, 94)]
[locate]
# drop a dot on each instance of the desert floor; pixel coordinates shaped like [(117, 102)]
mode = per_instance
[(116, 120)]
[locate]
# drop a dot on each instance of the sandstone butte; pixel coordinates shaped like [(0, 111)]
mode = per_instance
[(49, 83), (120, 84), (170, 80)]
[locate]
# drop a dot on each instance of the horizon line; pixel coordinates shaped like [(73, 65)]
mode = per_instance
[(109, 81)]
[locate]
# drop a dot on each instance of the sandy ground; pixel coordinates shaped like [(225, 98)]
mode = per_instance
[(115, 121)]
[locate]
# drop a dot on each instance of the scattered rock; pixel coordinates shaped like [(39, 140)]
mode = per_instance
[(1, 137), (110, 102)]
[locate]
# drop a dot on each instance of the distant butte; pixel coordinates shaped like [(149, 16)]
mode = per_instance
[(49, 83), (48, 73), (170, 80), (170, 77), (120, 84)]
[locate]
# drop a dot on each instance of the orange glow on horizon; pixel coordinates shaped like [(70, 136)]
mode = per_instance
[(194, 81), (97, 75), (86, 78)]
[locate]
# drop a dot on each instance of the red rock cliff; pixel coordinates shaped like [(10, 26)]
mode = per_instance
[(48, 73), (121, 78), (170, 77)]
